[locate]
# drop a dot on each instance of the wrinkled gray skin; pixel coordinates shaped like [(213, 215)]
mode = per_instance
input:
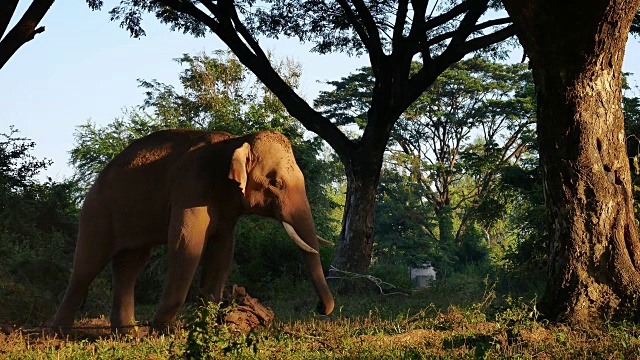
[(186, 188)]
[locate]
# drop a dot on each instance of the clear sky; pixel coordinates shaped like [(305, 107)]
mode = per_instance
[(85, 67)]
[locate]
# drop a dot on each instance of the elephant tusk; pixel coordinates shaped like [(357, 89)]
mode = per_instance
[(296, 239), (325, 242)]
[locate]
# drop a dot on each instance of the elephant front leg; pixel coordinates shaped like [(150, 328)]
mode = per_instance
[(125, 268), (187, 234), (217, 259)]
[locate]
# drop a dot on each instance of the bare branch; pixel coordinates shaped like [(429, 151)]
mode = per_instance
[(362, 33), (372, 31), (25, 30), (447, 35), (7, 8), (209, 5), (418, 20), (465, 28), (480, 42), (188, 8), (244, 32), (401, 20), (448, 16), (420, 81)]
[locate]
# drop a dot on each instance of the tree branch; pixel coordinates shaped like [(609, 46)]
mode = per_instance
[(188, 8), (250, 54), (210, 6), (401, 19), (25, 30), (375, 52), (417, 29), (465, 28), (480, 42), (362, 33), (244, 32), (447, 35), (7, 9), (419, 82), (448, 16)]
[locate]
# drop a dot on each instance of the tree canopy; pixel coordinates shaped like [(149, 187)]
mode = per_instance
[(445, 157)]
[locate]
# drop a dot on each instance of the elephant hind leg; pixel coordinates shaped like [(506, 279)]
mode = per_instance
[(88, 261), (126, 265)]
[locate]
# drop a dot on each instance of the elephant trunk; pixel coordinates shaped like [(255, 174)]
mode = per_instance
[(305, 228)]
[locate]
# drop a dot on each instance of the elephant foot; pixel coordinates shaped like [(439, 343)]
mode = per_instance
[(131, 331), (321, 309), (158, 329), (60, 332)]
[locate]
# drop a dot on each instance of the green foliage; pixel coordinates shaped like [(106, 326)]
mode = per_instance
[(396, 275), (95, 146), (37, 232), (439, 193), (518, 313), (208, 338), (403, 224), (531, 249)]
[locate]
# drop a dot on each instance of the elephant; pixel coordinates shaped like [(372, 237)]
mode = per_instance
[(187, 189)]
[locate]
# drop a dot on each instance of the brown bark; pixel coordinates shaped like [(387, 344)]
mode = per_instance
[(353, 252), (576, 53), (24, 30)]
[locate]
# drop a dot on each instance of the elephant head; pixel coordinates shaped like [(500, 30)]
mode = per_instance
[(273, 186)]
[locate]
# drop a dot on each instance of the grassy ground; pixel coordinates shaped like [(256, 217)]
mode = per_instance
[(455, 320)]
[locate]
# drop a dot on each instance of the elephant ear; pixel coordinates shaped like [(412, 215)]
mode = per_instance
[(239, 161)]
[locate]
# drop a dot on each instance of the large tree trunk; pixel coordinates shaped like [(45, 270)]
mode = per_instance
[(576, 51), (354, 249)]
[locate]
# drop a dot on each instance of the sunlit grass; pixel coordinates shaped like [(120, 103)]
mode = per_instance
[(428, 324)]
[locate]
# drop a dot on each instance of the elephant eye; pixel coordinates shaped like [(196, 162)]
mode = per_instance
[(276, 183)]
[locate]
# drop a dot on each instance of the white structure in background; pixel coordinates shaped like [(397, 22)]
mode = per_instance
[(421, 277)]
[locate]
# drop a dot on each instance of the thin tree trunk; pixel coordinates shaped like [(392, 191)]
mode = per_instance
[(576, 53), (353, 252), (444, 214)]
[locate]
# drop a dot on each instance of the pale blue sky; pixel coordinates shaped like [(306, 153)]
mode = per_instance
[(85, 67)]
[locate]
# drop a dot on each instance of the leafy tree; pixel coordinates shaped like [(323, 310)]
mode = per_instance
[(37, 229), (391, 33), (24, 30), (528, 217), (576, 57), (95, 146), (404, 224), (442, 175)]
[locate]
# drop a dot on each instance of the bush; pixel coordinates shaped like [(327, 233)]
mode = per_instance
[(208, 338)]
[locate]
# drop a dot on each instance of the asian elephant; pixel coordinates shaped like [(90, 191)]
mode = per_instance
[(186, 188)]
